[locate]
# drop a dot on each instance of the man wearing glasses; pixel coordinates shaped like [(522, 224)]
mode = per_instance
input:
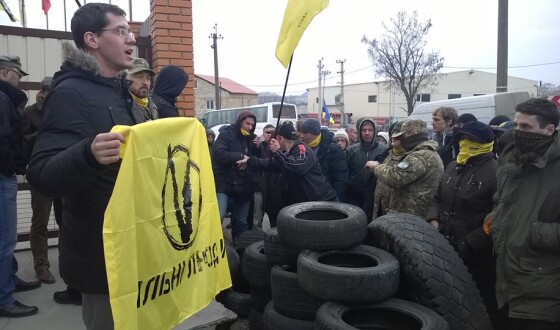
[(13, 159), (76, 157)]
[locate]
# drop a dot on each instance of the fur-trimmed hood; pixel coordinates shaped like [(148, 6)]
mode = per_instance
[(78, 63), (79, 58)]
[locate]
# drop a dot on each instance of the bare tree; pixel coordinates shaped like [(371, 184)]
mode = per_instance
[(400, 56)]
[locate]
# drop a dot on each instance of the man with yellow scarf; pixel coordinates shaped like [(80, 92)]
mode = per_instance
[(463, 200), (141, 77)]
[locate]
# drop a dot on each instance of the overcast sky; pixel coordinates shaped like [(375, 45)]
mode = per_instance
[(464, 32)]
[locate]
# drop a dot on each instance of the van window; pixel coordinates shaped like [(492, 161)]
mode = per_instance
[(453, 96), (260, 113), (288, 111)]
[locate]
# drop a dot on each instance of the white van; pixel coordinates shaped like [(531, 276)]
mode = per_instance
[(266, 113), (483, 107)]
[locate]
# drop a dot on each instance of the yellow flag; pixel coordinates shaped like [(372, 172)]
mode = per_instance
[(162, 237), (297, 17)]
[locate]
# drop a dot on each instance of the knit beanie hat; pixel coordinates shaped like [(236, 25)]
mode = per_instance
[(341, 133), (311, 126), (465, 118)]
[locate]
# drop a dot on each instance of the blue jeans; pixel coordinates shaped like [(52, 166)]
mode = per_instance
[(239, 212), (8, 238)]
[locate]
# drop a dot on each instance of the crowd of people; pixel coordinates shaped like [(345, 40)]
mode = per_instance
[(489, 189)]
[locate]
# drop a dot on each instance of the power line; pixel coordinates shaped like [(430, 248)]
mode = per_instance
[(446, 67), (509, 67)]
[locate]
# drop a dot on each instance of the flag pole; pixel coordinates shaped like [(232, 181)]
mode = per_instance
[(283, 95)]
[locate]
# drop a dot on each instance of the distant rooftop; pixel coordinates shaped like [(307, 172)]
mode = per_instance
[(228, 84)]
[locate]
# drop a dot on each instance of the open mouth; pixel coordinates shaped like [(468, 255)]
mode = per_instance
[(129, 52)]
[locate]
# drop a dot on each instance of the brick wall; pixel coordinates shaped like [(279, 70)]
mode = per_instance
[(172, 43)]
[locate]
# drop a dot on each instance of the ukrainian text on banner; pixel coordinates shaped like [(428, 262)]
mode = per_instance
[(162, 236)]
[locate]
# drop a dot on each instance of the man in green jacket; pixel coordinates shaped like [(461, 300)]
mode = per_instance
[(415, 177), (526, 219)]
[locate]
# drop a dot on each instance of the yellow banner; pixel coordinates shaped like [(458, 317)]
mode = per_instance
[(297, 17), (162, 236)]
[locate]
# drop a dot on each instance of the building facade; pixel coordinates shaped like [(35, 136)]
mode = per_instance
[(384, 102), (232, 94)]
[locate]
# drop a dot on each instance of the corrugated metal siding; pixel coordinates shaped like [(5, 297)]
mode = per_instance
[(40, 57)]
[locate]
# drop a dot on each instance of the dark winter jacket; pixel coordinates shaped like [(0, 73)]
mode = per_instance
[(333, 163), (170, 83), (13, 155), (301, 171), (32, 118), (446, 147), (462, 202), (272, 186), (81, 105), (526, 234), (229, 147), (362, 181)]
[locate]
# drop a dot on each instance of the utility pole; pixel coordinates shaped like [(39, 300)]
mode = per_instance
[(320, 99), (214, 46), (502, 67), (344, 118)]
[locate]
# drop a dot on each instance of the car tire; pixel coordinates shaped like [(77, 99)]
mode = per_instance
[(289, 298), (277, 252), (363, 274), (322, 226), (432, 273), (389, 314)]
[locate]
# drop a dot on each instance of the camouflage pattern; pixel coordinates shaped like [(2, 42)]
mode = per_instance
[(382, 195), (140, 65), (414, 179), (411, 125)]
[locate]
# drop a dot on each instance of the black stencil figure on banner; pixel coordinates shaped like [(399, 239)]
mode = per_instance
[(183, 215)]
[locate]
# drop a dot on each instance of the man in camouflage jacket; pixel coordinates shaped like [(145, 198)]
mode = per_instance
[(415, 178)]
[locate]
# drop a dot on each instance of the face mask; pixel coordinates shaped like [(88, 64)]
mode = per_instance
[(531, 142), (468, 149)]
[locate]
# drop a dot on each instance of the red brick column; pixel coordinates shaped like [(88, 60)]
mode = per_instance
[(135, 27), (172, 43)]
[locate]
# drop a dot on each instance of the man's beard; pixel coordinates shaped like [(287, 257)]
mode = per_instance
[(141, 93)]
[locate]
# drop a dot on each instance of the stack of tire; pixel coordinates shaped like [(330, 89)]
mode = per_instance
[(238, 298), (334, 282)]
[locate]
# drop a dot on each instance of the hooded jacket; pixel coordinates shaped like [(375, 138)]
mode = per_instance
[(362, 182), (301, 171), (525, 232), (13, 155), (170, 83), (414, 179), (81, 105), (333, 163), (229, 147)]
